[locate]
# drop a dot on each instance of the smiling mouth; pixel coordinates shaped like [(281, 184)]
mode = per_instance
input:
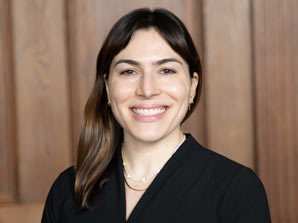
[(149, 111)]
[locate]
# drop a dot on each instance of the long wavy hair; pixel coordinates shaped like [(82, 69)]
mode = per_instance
[(101, 134)]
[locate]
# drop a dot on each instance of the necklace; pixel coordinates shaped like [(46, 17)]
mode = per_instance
[(135, 189), (143, 179)]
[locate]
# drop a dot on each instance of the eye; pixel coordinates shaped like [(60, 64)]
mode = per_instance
[(167, 71), (127, 72)]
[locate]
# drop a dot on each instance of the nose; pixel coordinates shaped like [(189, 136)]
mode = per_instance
[(148, 86)]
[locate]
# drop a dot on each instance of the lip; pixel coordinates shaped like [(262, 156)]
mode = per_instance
[(149, 106), (148, 118)]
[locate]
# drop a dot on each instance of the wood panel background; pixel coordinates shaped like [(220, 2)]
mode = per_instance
[(276, 97), (8, 161), (228, 68), (248, 110)]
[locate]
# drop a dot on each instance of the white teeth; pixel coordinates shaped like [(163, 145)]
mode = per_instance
[(148, 112)]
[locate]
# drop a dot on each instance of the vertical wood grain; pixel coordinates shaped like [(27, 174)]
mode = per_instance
[(88, 24), (41, 95), (193, 19), (275, 58), (8, 162), (25, 213), (228, 66)]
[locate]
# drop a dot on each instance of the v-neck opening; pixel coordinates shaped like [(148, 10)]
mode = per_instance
[(153, 187), (123, 192)]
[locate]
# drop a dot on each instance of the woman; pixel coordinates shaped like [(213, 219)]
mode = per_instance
[(134, 163)]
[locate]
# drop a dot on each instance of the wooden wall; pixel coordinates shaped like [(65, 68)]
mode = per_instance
[(8, 161), (228, 68), (276, 103), (248, 111)]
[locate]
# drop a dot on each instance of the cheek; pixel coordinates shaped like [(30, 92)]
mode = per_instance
[(119, 92), (178, 89)]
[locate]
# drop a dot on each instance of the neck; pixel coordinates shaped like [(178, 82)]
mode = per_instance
[(144, 158)]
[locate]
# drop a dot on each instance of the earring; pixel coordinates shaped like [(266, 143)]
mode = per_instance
[(189, 106), (109, 102)]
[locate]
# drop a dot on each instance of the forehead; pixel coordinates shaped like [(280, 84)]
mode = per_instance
[(147, 45)]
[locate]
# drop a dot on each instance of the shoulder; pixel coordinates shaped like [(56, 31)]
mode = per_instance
[(64, 184), (240, 192), (221, 170), (218, 166), (243, 197), (61, 189), (65, 178)]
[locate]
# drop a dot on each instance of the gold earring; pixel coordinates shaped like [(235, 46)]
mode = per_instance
[(109, 102), (189, 106)]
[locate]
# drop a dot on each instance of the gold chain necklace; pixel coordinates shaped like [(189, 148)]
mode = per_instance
[(143, 179), (129, 186)]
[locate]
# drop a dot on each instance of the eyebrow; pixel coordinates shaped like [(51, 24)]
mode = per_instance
[(159, 62)]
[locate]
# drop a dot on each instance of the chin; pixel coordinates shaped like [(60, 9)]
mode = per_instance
[(148, 136)]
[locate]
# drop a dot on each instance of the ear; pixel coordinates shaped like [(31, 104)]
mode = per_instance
[(193, 87)]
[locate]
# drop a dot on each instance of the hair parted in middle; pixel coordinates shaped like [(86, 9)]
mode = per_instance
[(101, 134)]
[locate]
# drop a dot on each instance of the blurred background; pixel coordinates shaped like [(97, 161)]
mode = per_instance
[(248, 111)]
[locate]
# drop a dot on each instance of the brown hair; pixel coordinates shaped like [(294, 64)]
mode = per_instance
[(101, 134)]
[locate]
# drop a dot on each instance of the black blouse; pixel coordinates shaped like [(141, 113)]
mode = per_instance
[(195, 185)]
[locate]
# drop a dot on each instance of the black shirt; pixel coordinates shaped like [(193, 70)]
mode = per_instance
[(195, 185)]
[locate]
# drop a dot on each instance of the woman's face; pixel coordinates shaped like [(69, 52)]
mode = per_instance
[(149, 87)]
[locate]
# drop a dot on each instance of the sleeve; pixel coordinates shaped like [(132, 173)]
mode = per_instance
[(244, 200), (57, 195)]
